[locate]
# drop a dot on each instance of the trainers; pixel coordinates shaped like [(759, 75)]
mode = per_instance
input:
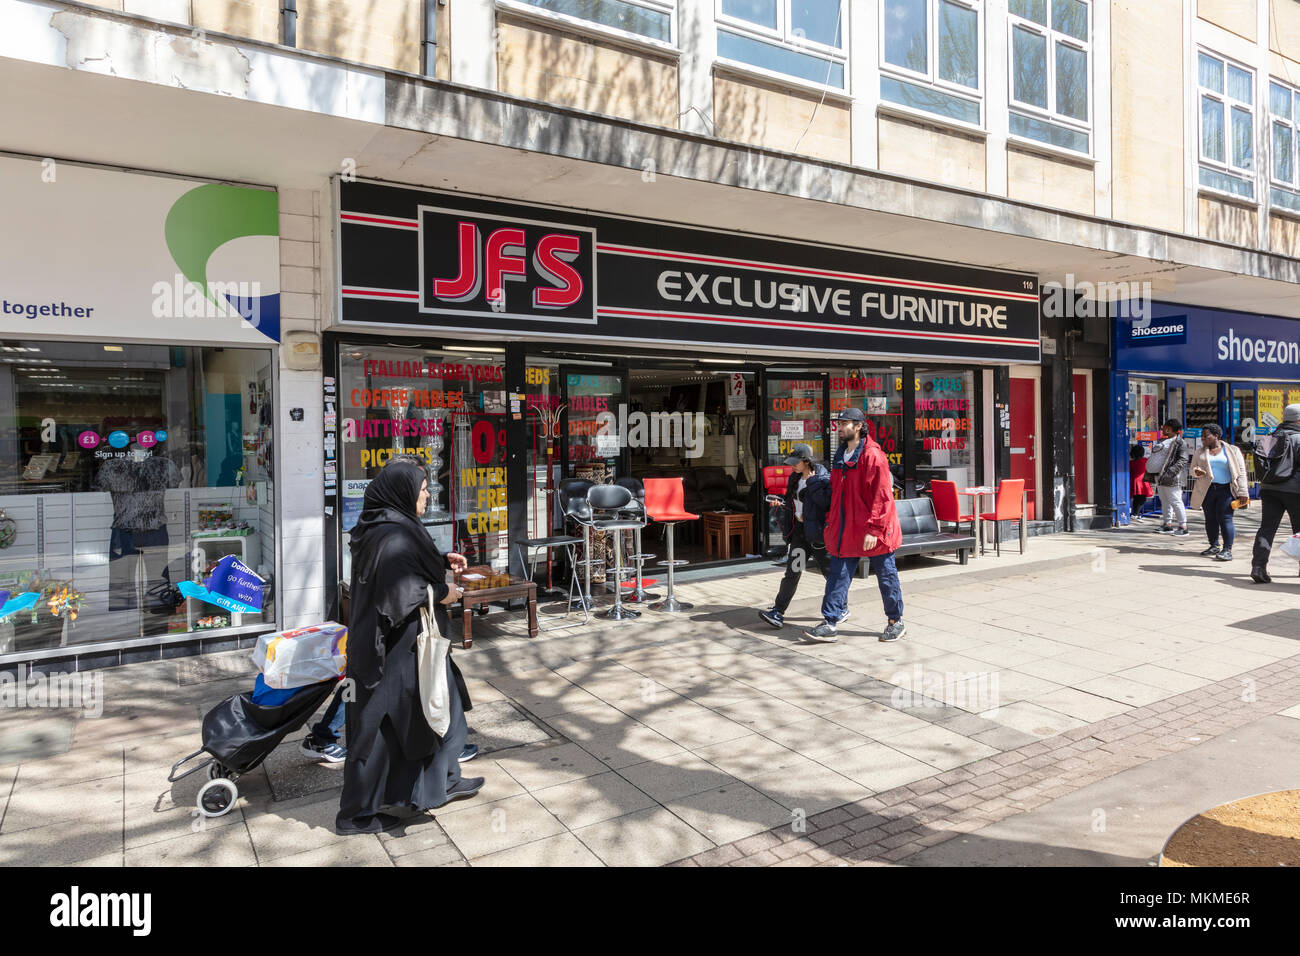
[(469, 753), (1180, 533), (332, 752), (1260, 576), (844, 617), (893, 632), (463, 789), (773, 617), (1223, 556), (1166, 529), (823, 633), (1211, 551)]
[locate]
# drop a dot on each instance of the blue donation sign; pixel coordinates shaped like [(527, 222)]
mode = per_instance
[(232, 585)]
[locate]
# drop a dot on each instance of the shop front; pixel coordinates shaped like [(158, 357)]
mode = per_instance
[(1237, 370), (512, 347), (138, 372)]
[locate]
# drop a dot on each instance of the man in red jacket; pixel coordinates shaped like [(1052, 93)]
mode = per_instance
[(862, 523)]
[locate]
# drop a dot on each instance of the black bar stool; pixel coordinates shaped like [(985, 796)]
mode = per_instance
[(636, 508), (573, 501), (609, 510)]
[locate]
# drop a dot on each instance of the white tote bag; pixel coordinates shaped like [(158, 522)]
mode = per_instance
[(431, 662), (1291, 546)]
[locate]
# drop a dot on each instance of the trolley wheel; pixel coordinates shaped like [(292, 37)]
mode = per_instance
[(217, 797)]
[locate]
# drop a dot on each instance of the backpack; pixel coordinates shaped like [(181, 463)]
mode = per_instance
[(1275, 458)]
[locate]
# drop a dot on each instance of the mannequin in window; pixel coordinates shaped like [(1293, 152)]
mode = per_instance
[(138, 485)]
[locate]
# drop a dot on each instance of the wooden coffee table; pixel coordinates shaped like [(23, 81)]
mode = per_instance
[(481, 585), (723, 526)]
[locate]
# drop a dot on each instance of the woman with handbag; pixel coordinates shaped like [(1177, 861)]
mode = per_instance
[(406, 726), (1220, 489)]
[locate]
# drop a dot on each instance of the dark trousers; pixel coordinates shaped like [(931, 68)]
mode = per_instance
[(1273, 504), (1218, 515), (801, 555), (839, 574)]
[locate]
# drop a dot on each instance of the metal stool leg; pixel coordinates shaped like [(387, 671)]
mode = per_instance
[(640, 595), (618, 612), (670, 603), (584, 599)]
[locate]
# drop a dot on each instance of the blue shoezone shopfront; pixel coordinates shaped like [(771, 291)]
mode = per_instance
[(1238, 370)]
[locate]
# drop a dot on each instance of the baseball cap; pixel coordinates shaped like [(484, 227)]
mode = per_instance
[(1291, 413), (798, 453), (850, 415)]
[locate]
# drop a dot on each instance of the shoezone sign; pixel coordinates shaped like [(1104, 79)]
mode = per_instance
[(423, 259)]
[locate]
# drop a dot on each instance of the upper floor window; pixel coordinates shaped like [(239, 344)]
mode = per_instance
[(652, 19), (804, 39), (1226, 93), (930, 57), (1284, 110), (1050, 56)]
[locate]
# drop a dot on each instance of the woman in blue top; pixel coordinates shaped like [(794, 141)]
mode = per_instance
[(1220, 473)]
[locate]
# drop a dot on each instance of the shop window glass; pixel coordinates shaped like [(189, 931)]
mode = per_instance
[(879, 393), (594, 449), (944, 426), (445, 408), (544, 417), (125, 472)]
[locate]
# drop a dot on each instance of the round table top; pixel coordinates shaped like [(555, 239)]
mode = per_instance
[(979, 490)]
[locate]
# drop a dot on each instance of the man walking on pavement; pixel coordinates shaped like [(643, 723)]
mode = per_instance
[(862, 523), (1279, 488), (803, 517)]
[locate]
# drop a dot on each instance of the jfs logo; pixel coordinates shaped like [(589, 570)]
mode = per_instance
[(514, 268)]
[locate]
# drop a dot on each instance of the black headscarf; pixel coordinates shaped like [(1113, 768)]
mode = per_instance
[(393, 562)]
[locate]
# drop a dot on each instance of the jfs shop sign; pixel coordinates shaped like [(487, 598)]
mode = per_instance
[(449, 262)]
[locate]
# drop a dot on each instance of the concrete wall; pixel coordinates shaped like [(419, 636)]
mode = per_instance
[(540, 63), (385, 33), (1284, 31), (1228, 222), (1284, 235), (301, 588), (746, 111), (1039, 179), (1238, 16), (920, 151), (255, 19), (1147, 139)]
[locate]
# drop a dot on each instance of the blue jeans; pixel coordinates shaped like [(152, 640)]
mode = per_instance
[(839, 572), (331, 722)]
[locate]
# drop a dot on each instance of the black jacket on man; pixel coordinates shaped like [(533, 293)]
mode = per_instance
[(1289, 485), (816, 501)]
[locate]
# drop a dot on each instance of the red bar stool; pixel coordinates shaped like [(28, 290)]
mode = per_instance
[(665, 502)]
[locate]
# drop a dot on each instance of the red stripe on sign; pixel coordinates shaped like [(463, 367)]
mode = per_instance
[(354, 293), (379, 220), (816, 327), (820, 273)]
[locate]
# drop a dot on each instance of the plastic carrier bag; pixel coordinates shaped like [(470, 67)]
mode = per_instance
[(305, 655), (1291, 547)]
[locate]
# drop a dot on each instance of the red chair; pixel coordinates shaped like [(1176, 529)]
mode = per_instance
[(665, 502), (947, 504), (776, 478), (1010, 506)]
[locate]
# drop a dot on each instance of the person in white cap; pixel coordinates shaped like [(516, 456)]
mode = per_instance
[(1277, 458)]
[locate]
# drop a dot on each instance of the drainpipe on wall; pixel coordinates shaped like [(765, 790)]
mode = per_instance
[(289, 22)]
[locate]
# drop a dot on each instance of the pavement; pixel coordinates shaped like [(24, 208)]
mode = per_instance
[(1069, 706)]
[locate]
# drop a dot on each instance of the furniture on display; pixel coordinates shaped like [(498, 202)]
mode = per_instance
[(609, 505), (569, 544), (720, 527), (637, 507), (1010, 506), (947, 504), (665, 503), (573, 500), (919, 522), (978, 493), (480, 585)]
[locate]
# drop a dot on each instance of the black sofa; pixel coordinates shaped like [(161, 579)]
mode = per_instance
[(921, 533)]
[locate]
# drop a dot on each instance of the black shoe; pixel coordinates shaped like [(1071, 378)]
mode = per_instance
[(372, 824), (1179, 532), (469, 753), (773, 617), (463, 789), (1211, 551), (1260, 576)]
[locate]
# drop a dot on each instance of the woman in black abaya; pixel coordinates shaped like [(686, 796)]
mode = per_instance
[(394, 757)]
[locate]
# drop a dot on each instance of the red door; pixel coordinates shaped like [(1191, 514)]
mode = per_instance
[(1081, 439), (1024, 447)]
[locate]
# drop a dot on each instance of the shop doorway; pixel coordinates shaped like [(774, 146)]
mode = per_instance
[(1082, 439), (1024, 438)]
